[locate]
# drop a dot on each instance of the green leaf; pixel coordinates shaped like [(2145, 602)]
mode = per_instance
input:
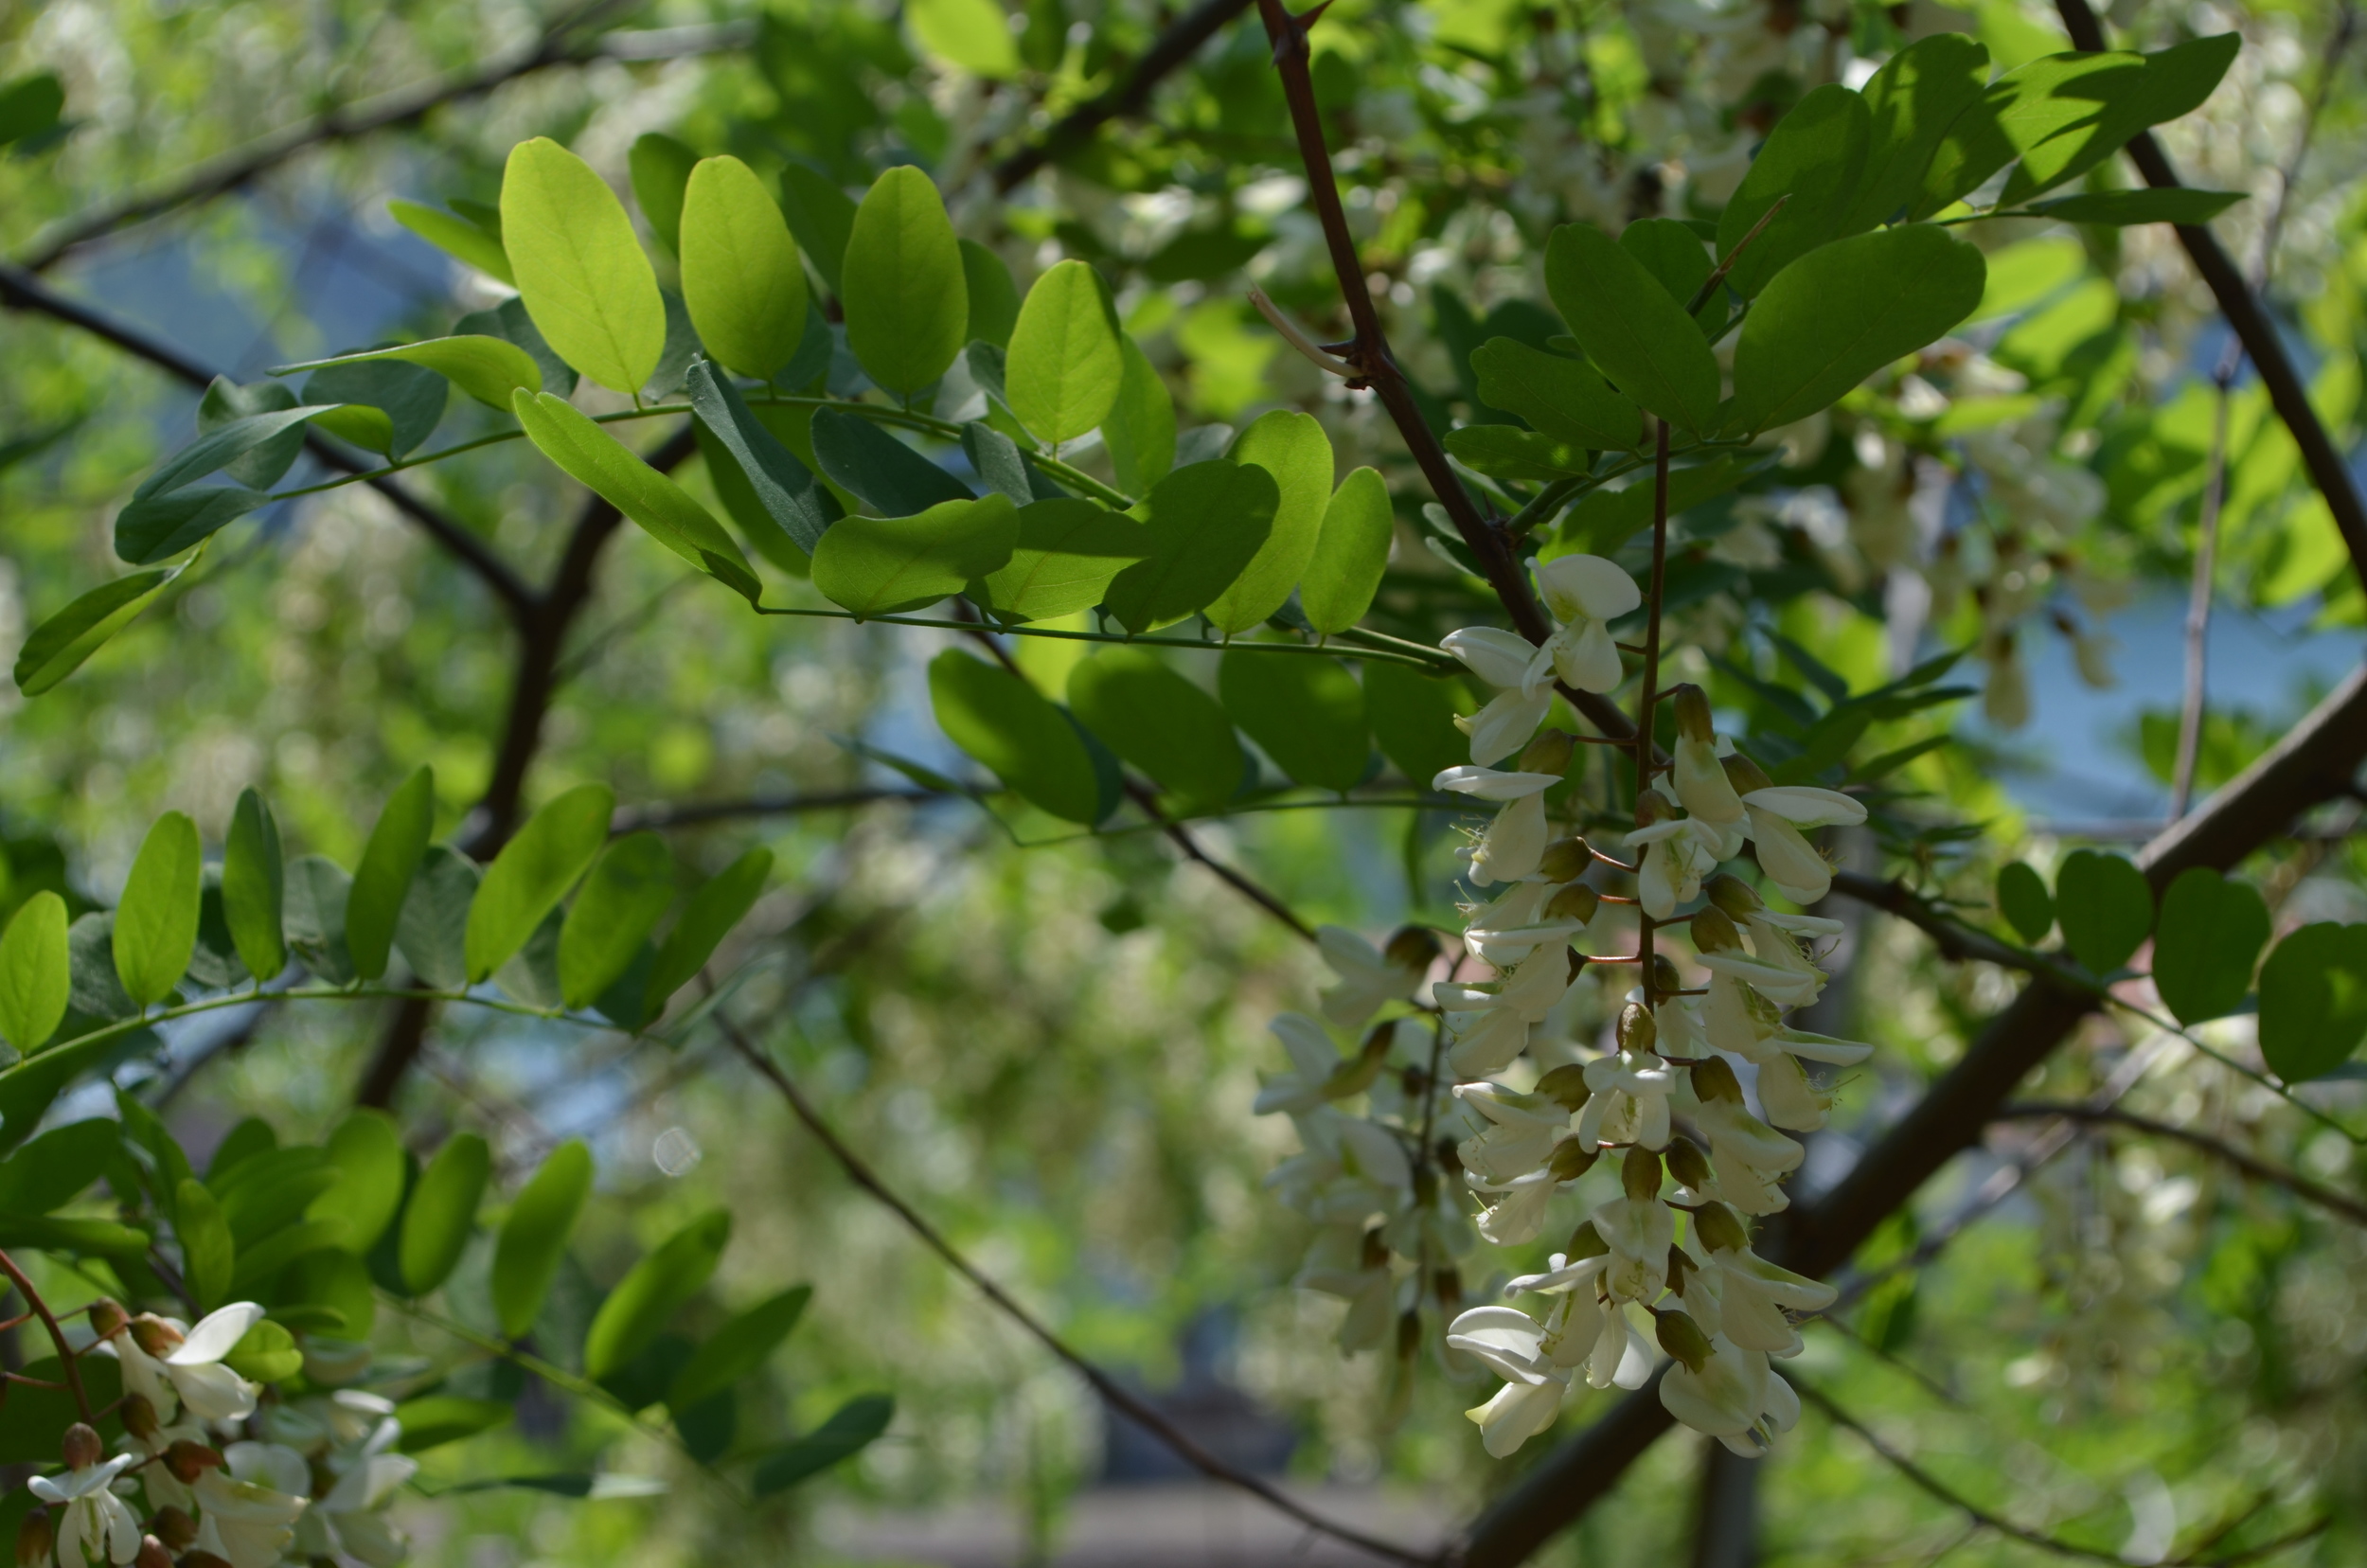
[(994, 458), (2313, 1000), (156, 925), (208, 1255), (30, 105), (2105, 908), (2120, 208), (974, 35), (225, 401), (430, 930), (741, 275), (2023, 899), (1350, 555), (993, 297), (1412, 718), (889, 476), (1028, 743), (581, 273), (602, 464), (1672, 252), (1608, 518), (442, 1212), (1814, 156), (219, 447), (1506, 452), (533, 872), (60, 644), (1161, 723), (907, 304), (534, 1237), (1065, 362), (383, 882), (266, 1353), (1912, 102), (456, 237), (660, 168), (738, 1350), (264, 1257), (382, 403), (629, 888), (334, 1285), (433, 1419), (823, 219), (487, 368), (882, 565), (2068, 112), (2209, 936), (721, 903), (51, 1170), (318, 891), (1844, 312), (1306, 713), (782, 487), (366, 1156), (1206, 522), (1292, 447), (1630, 328), (508, 322), (650, 1296), (851, 1428), (1068, 553), (1559, 397), (157, 527), (35, 975), (1139, 429)]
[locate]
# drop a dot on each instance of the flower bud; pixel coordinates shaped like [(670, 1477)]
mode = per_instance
[(1713, 928), (1566, 1086), (106, 1318), (1688, 1164), (1376, 1250), (1450, 1161), (1733, 895), (1585, 1242), (1446, 1284), (1745, 775), (173, 1527), (1714, 1081), (1576, 901), (154, 1335), (80, 1448), (1682, 1338), (1409, 1333), (1680, 1268), (1653, 806), (1665, 980), (188, 1461), (1566, 860), (152, 1553), (1639, 1173), (1692, 713), (1412, 947), (1637, 1032), (1572, 1159), (35, 1540), (139, 1416), (1721, 1228), (1548, 754)]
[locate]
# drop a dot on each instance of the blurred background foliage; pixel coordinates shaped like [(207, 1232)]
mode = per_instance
[(1052, 1045)]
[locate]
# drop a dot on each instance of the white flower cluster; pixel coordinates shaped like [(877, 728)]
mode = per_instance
[(226, 1478), (1667, 1093)]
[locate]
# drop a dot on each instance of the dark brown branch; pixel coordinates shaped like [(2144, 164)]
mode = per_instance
[(2315, 761), (1955, 939), (1116, 1395), (239, 167), (2252, 1166), (57, 1336), (2287, 392), (1126, 101), (20, 291)]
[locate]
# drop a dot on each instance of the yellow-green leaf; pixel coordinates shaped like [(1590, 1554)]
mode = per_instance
[(579, 268), (35, 973), (906, 300), (741, 275), (487, 368), (1065, 364), (533, 872), (534, 1237), (882, 565), (1291, 447), (974, 35), (156, 925), (456, 237), (382, 880), (1350, 554), (619, 906)]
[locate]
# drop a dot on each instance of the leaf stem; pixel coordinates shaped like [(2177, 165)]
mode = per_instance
[(1435, 660)]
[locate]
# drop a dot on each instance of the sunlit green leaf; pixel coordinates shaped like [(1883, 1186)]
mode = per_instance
[(1066, 555), (365, 1155), (383, 879), (1292, 447), (652, 1291), (35, 976), (207, 1254), (60, 644), (155, 926), (741, 275), (882, 565), (1065, 363), (907, 304), (627, 891), (1630, 328), (533, 872), (579, 268), (1140, 426), (534, 1237)]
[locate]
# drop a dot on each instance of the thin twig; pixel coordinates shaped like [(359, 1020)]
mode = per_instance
[(57, 1335), (1115, 1394), (1173, 47), (2258, 1170)]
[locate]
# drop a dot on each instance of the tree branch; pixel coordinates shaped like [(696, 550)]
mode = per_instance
[(1116, 1395), (20, 291), (2315, 761), (2252, 323), (2252, 1166), (1126, 101)]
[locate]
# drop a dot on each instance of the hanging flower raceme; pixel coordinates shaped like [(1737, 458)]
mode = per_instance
[(170, 1365), (1371, 977)]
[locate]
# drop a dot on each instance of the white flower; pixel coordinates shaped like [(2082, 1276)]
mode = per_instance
[(1777, 940), (1511, 1344), (1369, 977), (1493, 784), (350, 1520), (1351, 1262), (1350, 1171), (1520, 1135), (96, 1526), (162, 1488), (1513, 843), (1504, 660), (1517, 1215), (1678, 853), (1639, 1231), (1753, 1293), (1313, 1060), (1750, 1156), (1777, 814), (191, 1369), (1790, 1098), (1585, 592), (247, 1513), (1629, 1102), (1702, 788), (1490, 1021), (1512, 927), (1735, 1398)]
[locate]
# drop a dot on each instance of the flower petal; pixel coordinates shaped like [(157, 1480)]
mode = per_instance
[(1499, 658), (216, 1335)]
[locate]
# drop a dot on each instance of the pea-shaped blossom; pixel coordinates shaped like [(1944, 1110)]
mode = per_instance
[(1733, 1396), (1752, 1292), (1371, 977), (1628, 1100), (170, 1365), (95, 1525), (1489, 1021), (1776, 813), (1511, 1344), (1525, 689), (1586, 594), (1509, 849), (1677, 851)]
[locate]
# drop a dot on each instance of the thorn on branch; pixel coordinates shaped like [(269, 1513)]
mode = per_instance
[(1314, 353)]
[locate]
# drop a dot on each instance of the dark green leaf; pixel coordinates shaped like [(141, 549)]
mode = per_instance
[(2123, 207), (1813, 158), (654, 1289), (207, 1254), (2105, 908), (48, 1172), (1630, 328), (508, 322), (41, 1408), (822, 217), (1606, 519), (534, 1237), (1307, 713), (891, 478), (225, 401), (30, 105), (1160, 722), (60, 644), (993, 297), (2023, 899), (994, 458), (487, 367), (333, 1289), (2209, 937), (783, 486), (850, 1429), (456, 237), (441, 1213), (719, 903), (738, 1349), (1505, 452), (660, 167), (1914, 101), (1674, 254), (1028, 743), (533, 872), (1206, 522), (318, 891), (1412, 717), (2313, 1000), (431, 930), (885, 566), (1068, 553), (408, 392), (384, 880), (436, 1419), (1561, 397), (629, 888)]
